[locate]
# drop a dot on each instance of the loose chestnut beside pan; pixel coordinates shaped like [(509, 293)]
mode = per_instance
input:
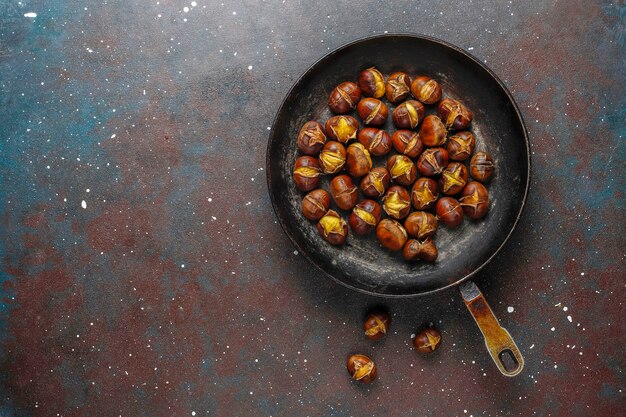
[(360, 264)]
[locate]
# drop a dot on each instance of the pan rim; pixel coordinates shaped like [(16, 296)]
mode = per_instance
[(456, 49)]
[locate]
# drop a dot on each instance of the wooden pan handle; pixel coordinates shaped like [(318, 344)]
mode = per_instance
[(500, 344)]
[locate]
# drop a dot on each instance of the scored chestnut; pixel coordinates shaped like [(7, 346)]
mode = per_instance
[(358, 160), (333, 228), (454, 113), (432, 161), (433, 132), (391, 234), (453, 178), (482, 167), (398, 87), (344, 97), (376, 141), (342, 128), (427, 341), (372, 83), (376, 325), (306, 173), (424, 250), (426, 90), (344, 192), (408, 114), (375, 183), (420, 224), (449, 211), (332, 157), (364, 217), (361, 368), (424, 193), (474, 200), (397, 202), (311, 138), (407, 142), (461, 145), (372, 111), (315, 204), (402, 169)]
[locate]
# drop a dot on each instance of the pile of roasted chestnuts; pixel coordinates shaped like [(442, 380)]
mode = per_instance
[(400, 184)]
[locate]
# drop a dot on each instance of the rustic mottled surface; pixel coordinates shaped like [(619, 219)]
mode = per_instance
[(144, 274)]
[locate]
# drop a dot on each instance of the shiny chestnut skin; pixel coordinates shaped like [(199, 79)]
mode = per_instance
[(364, 217), (426, 90), (461, 145), (420, 224), (372, 83), (402, 169), (306, 173), (427, 341), (397, 202), (376, 141), (372, 111), (358, 160), (311, 138), (453, 178), (398, 87), (344, 192), (333, 228), (376, 325), (433, 132), (315, 204), (375, 183), (391, 234), (342, 128), (407, 142), (474, 200), (424, 250), (432, 161), (344, 98), (361, 368), (482, 167), (333, 157), (454, 114), (449, 211), (408, 114), (424, 193)]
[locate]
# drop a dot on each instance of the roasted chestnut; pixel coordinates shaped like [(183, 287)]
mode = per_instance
[(433, 132), (420, 224), (311, 138), (453, 178), (372, 83), (454, 114), (332, 157), (474, 200), (398, 87), (397, 202), (424, 250), (407, 142), (376, 325), (375, 183), (482, 167), (315, 204), (361, 368), (426, 90), (358, 161), (333, 228), (424, 193), (306, 173), (365, 216), (408, 114), (402, 169), (449, 211), (344, 192), (342, 128), (391, 234), (432, 161), (372, 111), (376, 141), (427, 341), (344, 97), (461, 145)]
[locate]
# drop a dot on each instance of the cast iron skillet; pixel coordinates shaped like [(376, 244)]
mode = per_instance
[(361, 264)]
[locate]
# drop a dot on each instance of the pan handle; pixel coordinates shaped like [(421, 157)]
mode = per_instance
[(499, 342)]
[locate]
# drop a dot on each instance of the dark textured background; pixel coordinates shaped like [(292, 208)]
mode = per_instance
[(176, 293)]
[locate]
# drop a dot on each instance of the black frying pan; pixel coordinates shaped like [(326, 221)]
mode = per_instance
[(361, 264)]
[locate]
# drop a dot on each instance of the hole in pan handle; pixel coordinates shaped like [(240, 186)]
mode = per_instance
[(499, 342)]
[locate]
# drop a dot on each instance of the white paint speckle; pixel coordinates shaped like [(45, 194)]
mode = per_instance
[(113, 136), (295, 252), (510, 309), (30, 14), (194, 4), (193, 413), (532, 346), (553, 329), (87, 190), (83, 204), (249, 67), (182, 265), (185, 9), (564, 308), (569, 318)]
